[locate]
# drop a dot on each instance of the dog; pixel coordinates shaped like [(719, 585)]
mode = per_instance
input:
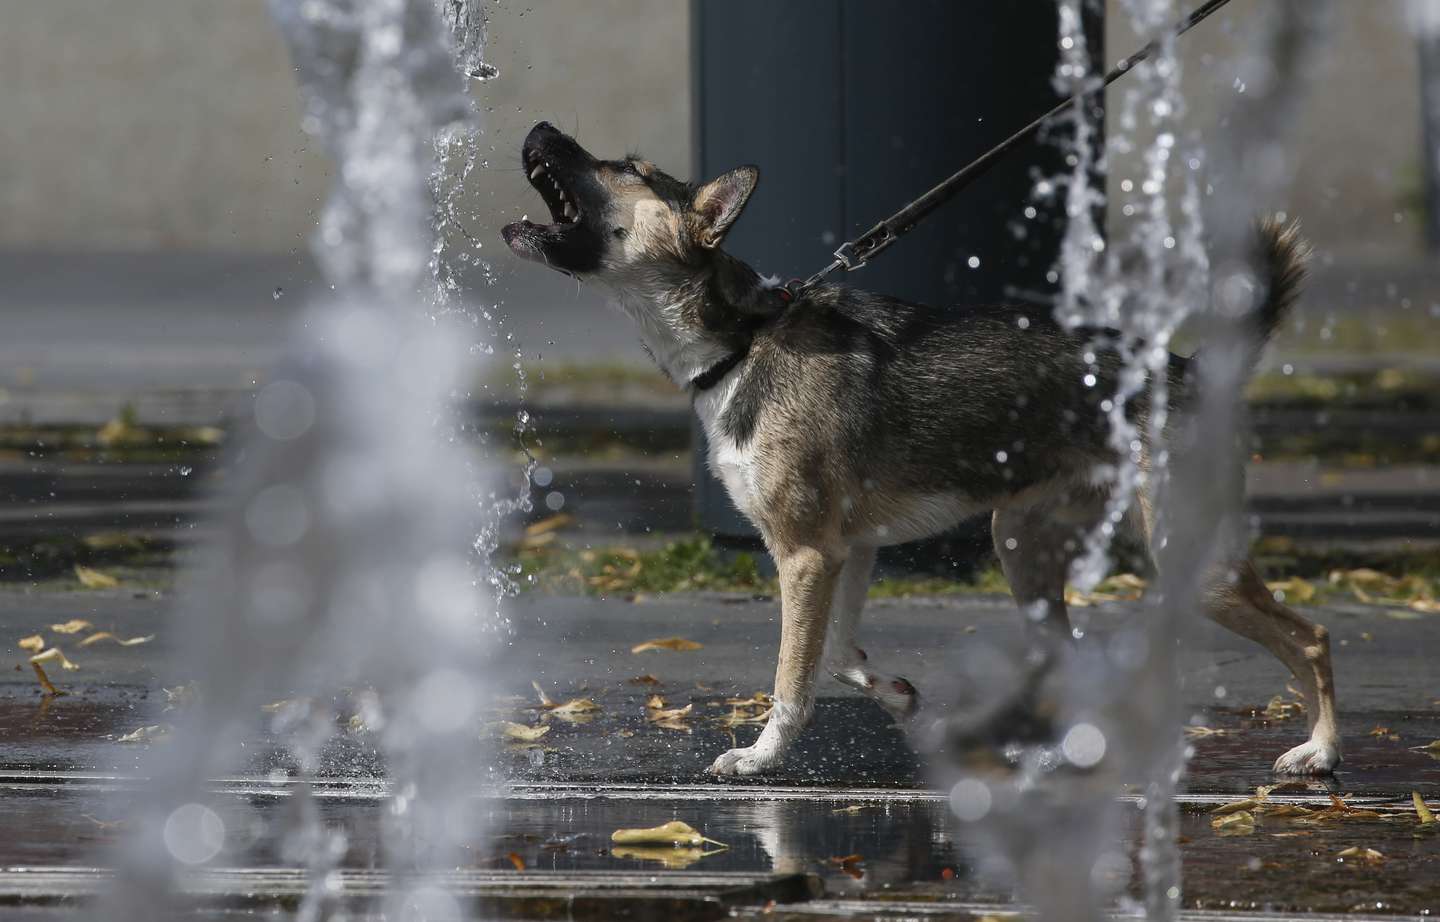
[(841, 421)]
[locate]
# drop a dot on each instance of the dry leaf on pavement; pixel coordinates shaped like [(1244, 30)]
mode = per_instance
[(94, 579), (73, 626), (32, 644), (516, 731), (1234, 824), (1368, 855), (152, 734), (1422, 811), (675, 833), (666, 643), (106, 635)]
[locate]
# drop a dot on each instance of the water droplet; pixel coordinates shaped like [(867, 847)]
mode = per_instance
[(277, 293)]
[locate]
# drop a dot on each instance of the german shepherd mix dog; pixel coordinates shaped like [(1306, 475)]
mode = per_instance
[(846, 421)]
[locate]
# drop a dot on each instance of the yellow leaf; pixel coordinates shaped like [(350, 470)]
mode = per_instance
[(672, 714), (106, 635), (1284, 810), (548, 524), (73, 626), (1295, 589), (855, 809), (576, 710), (32, 644), (1369, 855), (516, 731), (672, 858), (53, 655), (151, 734), (1248, 804), (1422, 811), (1201, 732), (94, 579), (675, 833), (545, 701), (1429, 606), (1234, 824), (666, 643), (654, 703)]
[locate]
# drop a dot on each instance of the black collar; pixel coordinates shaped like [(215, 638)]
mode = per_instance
[(712, 375)]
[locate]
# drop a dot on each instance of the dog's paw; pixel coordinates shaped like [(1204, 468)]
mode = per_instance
[(1315, 757), (898, 697), (751, 760)]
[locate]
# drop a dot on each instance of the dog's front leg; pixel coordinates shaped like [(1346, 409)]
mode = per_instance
[(807, 583)]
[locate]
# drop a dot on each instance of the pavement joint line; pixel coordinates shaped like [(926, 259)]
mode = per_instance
[(379, 789), (916, 909)]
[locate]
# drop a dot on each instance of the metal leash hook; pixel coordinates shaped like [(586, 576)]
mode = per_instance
[(855, 254)]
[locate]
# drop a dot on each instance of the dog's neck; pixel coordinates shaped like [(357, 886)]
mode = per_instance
[(690, 322)]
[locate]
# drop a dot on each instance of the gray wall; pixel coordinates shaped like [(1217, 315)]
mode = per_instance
[(171, 124), (146, 124)]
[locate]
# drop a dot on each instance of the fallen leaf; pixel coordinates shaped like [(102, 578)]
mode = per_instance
[(646, 679), (516, 860), (1234, 824), (1286, 810), (670, 714), (545, 701), (179, 697), (284, 704), (1380, 731), (654, 702), (516, 731), (1422, 811), (674, 833), (1294, 589), (45, 683), (666, 643), (32, 644), (576, 710), (674, 858), (1248, 804), (1368, 855), (152, 734), (1280, 709), (851, 865), (549, 524), (94, 579), (106, 635), (855, 809), (73, 626), (53, 655), (1202, 732)]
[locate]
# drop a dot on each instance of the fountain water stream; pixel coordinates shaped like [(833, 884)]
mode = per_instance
[(1112, 703), (345, 579)]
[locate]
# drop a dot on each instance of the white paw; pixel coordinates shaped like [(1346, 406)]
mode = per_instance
[(898, 697), (748, 761), (1316, 757)]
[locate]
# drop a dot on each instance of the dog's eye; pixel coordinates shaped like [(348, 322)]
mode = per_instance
[(620, 233), (631, 169)]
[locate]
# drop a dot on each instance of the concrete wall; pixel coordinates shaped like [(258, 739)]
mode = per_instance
[(171, 124)]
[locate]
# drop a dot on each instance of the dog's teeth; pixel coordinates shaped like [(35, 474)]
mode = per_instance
[(571, 211), (537, 172)]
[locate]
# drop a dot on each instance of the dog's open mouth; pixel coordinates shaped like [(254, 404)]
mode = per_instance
[(544, 177), (555, 166)]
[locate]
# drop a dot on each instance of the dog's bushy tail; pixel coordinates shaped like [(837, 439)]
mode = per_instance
[(1283, 258)]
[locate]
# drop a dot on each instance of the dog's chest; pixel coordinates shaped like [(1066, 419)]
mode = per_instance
[(736, 465)]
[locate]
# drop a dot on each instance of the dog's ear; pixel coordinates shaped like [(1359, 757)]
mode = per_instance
[(719, 202)]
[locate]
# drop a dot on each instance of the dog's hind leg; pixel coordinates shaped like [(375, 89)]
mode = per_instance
[(844, 658), (1035, 552), (1238, 599), (807, 584)]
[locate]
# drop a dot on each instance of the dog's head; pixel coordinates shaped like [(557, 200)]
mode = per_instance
[(615, 220)]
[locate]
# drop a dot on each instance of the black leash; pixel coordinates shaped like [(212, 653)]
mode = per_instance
[(856, 253)]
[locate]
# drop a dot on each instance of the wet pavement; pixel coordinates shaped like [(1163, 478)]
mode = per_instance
[(852, 787)]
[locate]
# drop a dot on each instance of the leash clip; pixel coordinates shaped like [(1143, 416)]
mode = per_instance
[(847, 257)]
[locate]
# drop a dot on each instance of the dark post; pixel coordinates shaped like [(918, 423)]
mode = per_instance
[(853, 107)]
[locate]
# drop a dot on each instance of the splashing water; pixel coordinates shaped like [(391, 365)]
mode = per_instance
[(345, 574), (1109, 710)]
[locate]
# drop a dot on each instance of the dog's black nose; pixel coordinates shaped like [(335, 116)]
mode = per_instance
[(544, 126)]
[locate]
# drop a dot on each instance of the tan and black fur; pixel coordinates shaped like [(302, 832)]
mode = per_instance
[(844, 421)]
